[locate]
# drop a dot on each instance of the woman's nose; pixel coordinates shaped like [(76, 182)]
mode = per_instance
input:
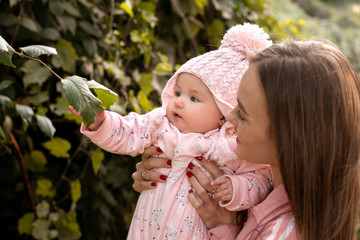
[(179, 103)]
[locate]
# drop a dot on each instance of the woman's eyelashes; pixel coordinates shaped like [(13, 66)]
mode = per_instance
[(240, 116)]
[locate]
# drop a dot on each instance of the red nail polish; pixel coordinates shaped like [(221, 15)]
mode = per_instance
[(200, 158), (159, 150), (168, 162), (190, 191), (191, 166), (163, 177), (189, 174), (154, 184)]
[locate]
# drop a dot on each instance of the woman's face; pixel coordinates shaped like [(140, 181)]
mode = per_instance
[(251, 121)]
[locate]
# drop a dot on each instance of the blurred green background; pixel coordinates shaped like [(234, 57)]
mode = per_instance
[(58, 185)]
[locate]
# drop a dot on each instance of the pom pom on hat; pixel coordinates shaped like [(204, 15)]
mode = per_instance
[(247, 39)]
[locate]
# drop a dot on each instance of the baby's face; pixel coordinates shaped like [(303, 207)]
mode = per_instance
[(193, 108)]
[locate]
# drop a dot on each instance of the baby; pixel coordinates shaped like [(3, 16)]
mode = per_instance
[(190, 124)]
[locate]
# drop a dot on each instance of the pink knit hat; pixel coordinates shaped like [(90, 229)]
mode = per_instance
[(221, 70)]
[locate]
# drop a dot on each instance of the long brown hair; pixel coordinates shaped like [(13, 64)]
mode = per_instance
[(313, 96)]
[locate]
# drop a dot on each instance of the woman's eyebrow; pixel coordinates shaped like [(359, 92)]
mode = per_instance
[(241, 107)]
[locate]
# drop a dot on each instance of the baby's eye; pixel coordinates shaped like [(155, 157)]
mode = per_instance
[(194, 99), (177, 93)]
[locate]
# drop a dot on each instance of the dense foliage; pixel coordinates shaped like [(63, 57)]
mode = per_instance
[(54, 182)]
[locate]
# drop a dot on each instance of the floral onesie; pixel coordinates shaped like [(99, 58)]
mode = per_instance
[(165, 212)]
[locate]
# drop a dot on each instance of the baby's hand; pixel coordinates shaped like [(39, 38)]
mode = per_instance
[(224, 189), (99, 119)]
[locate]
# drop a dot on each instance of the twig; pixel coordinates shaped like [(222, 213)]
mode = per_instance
[(39, 61), (18, 22), (188, 29), (24, 171)]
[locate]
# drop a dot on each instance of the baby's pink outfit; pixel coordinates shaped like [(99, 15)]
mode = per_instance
[(165, 212)]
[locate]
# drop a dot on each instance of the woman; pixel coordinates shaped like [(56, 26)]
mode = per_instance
[(298, 110)]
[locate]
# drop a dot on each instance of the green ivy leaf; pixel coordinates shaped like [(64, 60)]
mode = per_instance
[(45, 125), (67, 226), (35, 161), (39, 98), (44, 188), (89, 29), (35, 73), (38, 50), (30, 24), (96, 159), (25, 223), (42, 209), (5, 100), (144, 101), (106, 96), (50, 33), (78, 94), (41, 229), (25, 112), (127, 8), (5, 84), (61, 107), (67, 55), (4, 46), (58, 147), (7, 19), (6, 52), (75, 190)]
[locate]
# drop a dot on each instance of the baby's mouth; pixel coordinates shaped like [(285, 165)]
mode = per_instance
[(176, 115)]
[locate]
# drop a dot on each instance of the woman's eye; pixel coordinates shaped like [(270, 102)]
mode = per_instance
[(194, 99), (238, 113), (177, 93)]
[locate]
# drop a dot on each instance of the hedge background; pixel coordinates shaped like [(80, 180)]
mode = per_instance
[(58, 185)]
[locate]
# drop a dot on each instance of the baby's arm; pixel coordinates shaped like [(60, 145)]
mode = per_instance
[(248, 188)]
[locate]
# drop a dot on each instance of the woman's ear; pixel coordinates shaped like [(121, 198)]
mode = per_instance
[(222, 121)]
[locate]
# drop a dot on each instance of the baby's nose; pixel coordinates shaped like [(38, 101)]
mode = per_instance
[(179, 103)]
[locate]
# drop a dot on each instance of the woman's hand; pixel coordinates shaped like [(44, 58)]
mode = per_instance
[(209, 210), (144, 178)]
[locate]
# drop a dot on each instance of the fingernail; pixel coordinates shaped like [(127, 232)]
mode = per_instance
[(189, 174), (200, 158), (190, 191), (159, 150), (191, 166), (154, 184), (163, 177), (168, 162)]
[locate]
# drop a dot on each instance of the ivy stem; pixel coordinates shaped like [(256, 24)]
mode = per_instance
[(22, 163), (18, 22), (39, 61), (175, 3)]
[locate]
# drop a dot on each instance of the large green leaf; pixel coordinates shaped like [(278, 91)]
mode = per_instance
[(45, 125), (78, 94), (38, 50), (106, 96)]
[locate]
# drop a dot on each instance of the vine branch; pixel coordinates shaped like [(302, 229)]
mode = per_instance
[(24, 171), (39, 61)]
